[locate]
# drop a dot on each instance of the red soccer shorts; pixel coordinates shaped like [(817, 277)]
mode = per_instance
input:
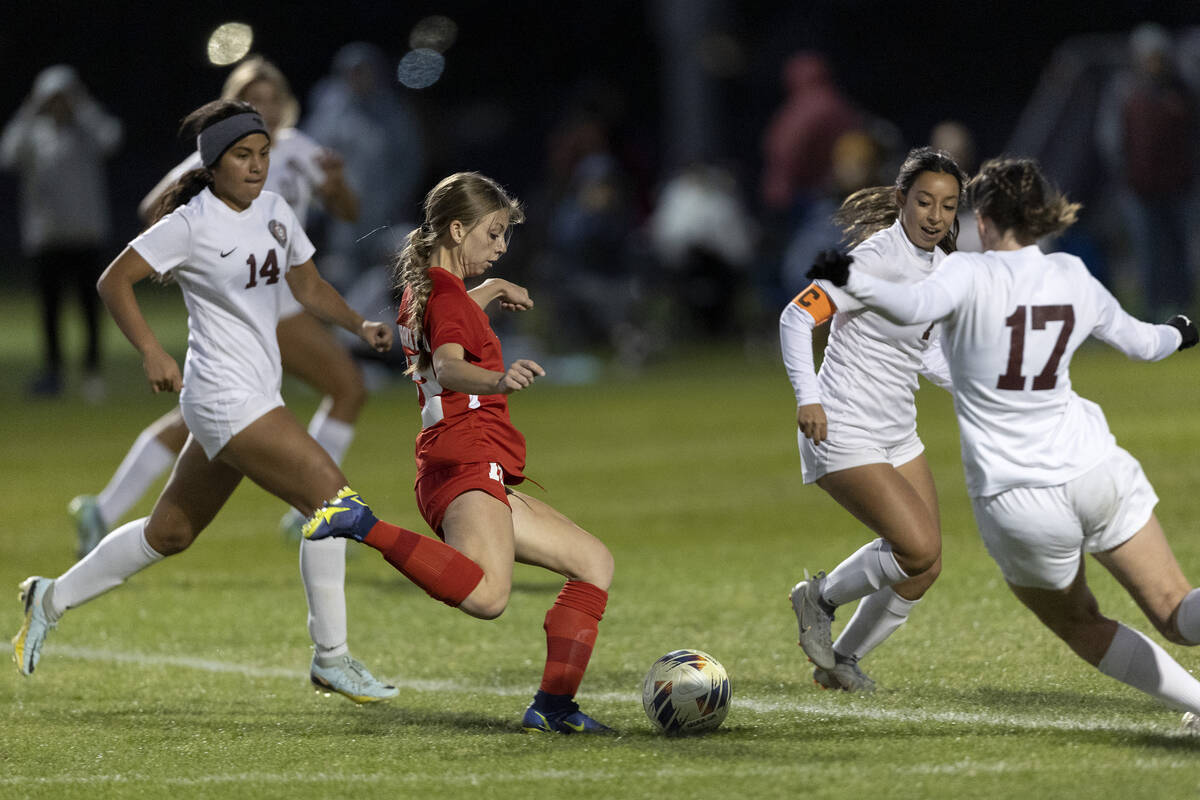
[(436, 490)]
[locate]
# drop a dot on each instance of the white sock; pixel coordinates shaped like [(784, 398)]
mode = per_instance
[(118, 555), (332, 434), (877, 617), (145, 463), (1136, 660), (869, 569), (323, 571), (1187, 618)]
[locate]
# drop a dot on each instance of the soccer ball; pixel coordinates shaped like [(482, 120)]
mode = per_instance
[(686, 691)]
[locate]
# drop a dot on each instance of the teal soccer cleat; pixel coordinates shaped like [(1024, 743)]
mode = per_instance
[(90, 527), (347, 676), (27, 644)]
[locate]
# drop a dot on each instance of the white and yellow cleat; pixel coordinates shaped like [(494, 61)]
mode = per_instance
[(27, 644), (347, 676)]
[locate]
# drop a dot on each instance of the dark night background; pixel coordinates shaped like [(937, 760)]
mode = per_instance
[(911, 63)]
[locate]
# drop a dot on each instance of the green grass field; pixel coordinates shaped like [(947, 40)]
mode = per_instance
[(191, 680)]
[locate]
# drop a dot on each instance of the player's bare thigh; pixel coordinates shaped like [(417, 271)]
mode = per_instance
[(547, 538), (880, 497), (918, 474), (480, 527), (195, 492), (277, 453), (1145, 565), (170, 429), (310, 351)]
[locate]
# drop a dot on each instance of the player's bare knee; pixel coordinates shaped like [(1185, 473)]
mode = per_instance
[(593, 564), (487, 606), (169, 538), (919, 560), (1169, 628), (600, 570), (348, 398)]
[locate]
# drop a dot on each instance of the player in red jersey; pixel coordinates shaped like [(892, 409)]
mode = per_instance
[(468, 453)]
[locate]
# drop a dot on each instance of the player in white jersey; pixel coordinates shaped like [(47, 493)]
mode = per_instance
[(300, 169), (232, 248), (1046, 478), (857, 419)]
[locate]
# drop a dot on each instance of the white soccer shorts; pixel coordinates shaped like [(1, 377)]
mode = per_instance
[(1038, 534), (847, 447)]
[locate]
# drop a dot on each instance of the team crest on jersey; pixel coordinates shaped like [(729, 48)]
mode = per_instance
[(278, 231)]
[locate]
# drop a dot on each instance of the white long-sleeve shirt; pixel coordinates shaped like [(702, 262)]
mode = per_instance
[(1013, 320), (870, 370)]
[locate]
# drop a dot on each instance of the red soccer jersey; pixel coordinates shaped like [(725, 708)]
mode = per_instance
[(459, 428)]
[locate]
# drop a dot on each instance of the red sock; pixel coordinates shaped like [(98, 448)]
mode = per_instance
[(439, 569), (571, 626)]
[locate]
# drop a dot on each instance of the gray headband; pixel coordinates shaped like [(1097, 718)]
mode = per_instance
[(214, 140)]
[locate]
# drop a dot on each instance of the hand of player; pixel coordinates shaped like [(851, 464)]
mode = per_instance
[(1186, 328), (810, 419), (162, 371), (514, 297), (521, 373), (330, 163), (831, 265), (377, 334)]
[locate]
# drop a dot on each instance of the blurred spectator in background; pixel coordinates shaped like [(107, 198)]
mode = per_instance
[(957, 140), (798, 142), (858, 159), (356, 112), (57, 142), (703, 235), (585, 269), (1149, 133)]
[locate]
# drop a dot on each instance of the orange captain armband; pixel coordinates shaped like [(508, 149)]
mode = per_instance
[(816, 302)]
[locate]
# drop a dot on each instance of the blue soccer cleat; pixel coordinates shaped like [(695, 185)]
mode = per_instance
[(569, 720), (346, 515)]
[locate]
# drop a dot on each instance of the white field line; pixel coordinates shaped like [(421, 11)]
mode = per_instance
[(756, 705), (723, 772)]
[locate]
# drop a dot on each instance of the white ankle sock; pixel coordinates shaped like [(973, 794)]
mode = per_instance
[(877, 617), (145, 463), (1134, 659), (870, 568), (118, 555), (323, 570), (1187, 618), (332, 434)]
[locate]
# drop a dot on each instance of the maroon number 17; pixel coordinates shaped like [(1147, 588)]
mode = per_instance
[(1047, 378)]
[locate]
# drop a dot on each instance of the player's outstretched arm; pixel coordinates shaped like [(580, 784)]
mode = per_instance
[(322, 300), (115, 288), (454, 372), (832, 266), (512, 297)]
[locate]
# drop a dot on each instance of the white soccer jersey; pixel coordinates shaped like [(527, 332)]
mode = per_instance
[(870, 370), (231, 267), (1013, 320), (294, 174)]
